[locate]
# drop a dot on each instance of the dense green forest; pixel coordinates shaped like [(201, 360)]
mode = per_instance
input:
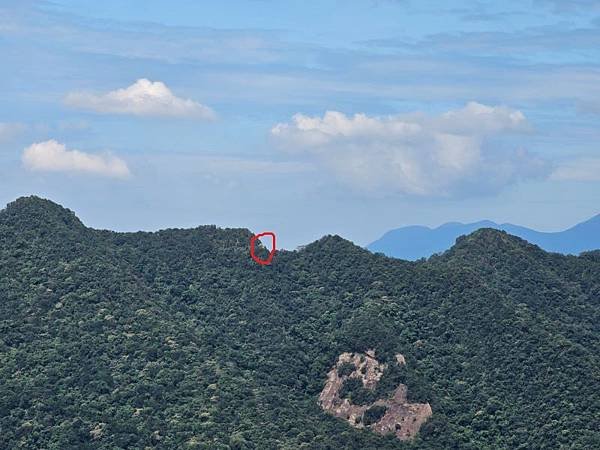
[(177, 339)]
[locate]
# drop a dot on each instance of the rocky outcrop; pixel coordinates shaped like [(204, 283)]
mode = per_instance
[(402, 418)]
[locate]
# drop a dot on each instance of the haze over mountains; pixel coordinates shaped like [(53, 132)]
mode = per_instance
[(178, 340), (414, 242)]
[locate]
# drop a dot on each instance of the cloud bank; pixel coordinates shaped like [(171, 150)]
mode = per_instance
[(142, 98), (415, 154), (52, 156)]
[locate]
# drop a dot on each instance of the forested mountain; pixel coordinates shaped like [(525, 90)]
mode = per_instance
[(414, 242), (177, 339)]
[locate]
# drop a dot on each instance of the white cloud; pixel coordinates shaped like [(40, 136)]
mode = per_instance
[(476, 118), (52, 156), (415, 154), (580, 169), (143, 98)]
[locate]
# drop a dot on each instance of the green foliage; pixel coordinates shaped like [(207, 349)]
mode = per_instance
[(373, 414), (353, 390), (345, 369), (177, 339)]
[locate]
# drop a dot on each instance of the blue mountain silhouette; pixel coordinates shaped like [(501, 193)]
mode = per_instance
[(414, 242)]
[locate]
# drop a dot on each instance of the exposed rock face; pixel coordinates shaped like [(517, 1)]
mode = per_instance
[(401, 418)]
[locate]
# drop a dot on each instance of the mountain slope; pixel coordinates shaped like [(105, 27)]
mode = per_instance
[(177, 339), (414, 242)]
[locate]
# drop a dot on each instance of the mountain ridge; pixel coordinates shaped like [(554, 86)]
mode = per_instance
[(47, 212), (177, 339), (415, 242)]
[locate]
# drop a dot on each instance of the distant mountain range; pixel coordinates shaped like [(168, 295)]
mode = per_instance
[(414, 242)]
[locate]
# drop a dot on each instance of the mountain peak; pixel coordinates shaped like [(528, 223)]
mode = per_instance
[(36, 212), (490, 240), (329, 245)]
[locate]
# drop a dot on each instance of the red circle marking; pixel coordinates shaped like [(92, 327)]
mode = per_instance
[(253, 240)]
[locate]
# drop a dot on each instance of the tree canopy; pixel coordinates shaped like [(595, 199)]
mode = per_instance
[(177, 339)]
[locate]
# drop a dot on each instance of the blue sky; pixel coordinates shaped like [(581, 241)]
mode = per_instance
[(300, 117)]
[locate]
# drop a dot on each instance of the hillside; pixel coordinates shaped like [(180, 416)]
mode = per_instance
[(177, 339), (414, 242)]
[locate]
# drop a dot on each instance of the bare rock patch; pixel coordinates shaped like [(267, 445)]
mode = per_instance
[(383, 416)]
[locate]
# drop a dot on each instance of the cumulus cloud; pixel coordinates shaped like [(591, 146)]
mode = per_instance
[(52, 156), (579, 169), (142, 98), (415, 154)]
